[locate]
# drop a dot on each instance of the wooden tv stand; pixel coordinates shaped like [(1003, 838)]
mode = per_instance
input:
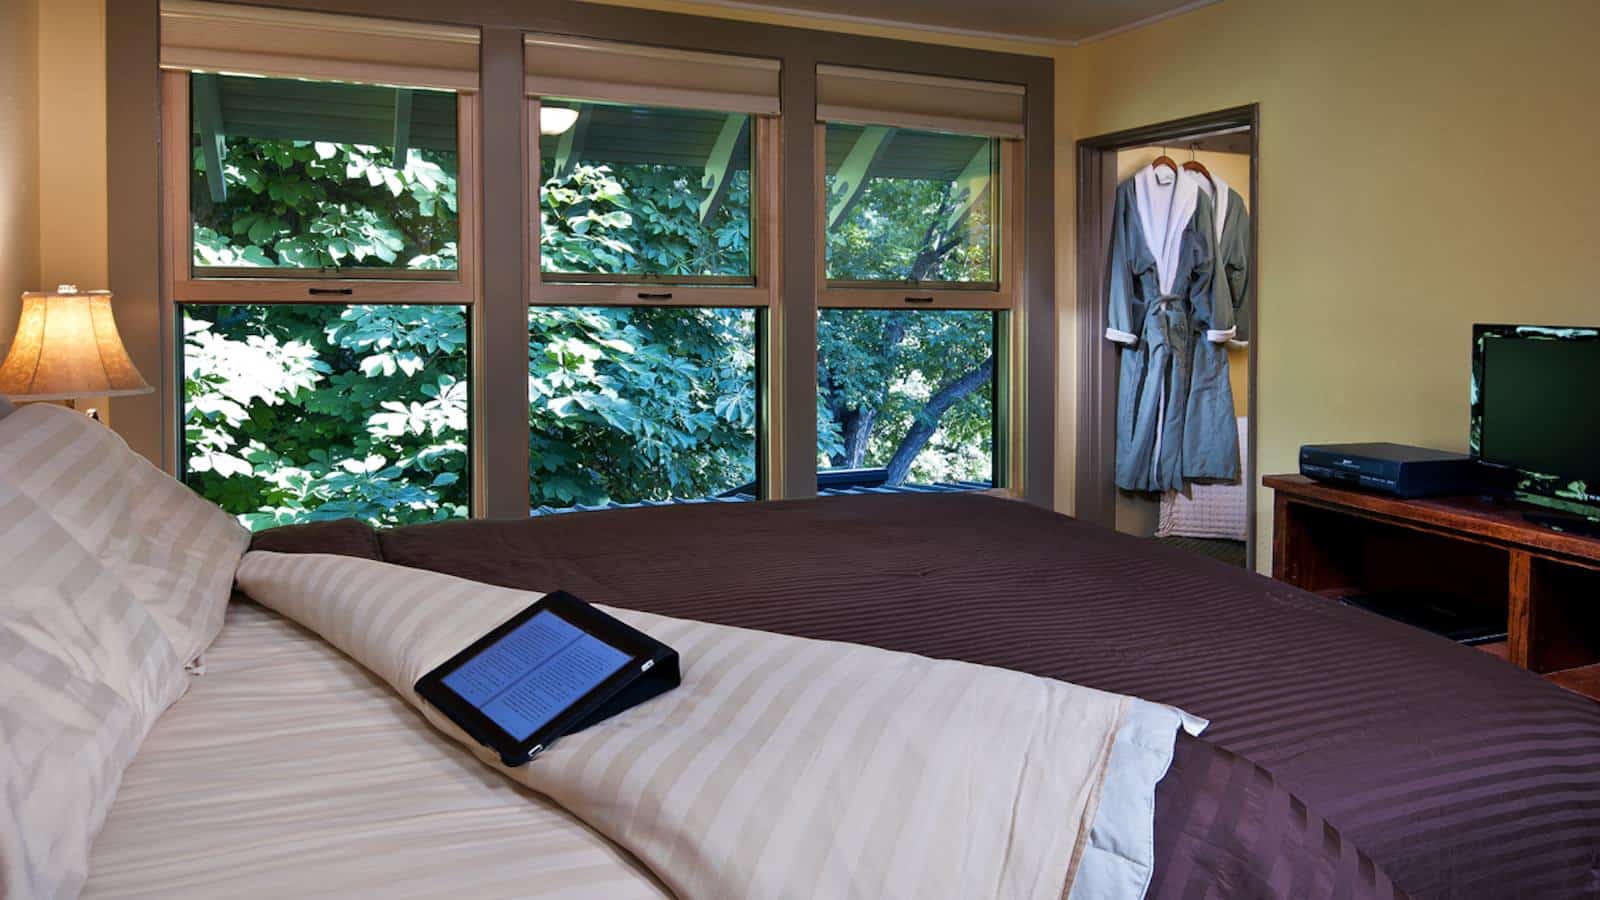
[(1337, 541)]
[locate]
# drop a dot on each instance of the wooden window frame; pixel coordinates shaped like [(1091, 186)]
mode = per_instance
[(762, 292), (763, 296), (897, 295), (290, 286), (1008, 301)]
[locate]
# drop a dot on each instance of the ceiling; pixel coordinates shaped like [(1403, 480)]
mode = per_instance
[(1049, 21)]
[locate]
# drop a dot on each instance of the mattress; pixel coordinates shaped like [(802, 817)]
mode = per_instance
[(1344, 751), (288, 771)]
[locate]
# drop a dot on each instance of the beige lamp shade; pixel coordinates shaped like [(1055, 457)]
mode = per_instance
[(66, 347)]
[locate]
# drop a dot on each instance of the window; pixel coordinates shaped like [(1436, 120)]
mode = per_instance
[(906, 397), (641, 404), (305, 412), (910, 207), (641, 193), (306, 175)]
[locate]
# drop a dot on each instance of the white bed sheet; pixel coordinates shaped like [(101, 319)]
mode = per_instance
[(289, 771)]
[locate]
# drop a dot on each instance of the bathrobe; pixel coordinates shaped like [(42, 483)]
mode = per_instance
[(1210, 434), (1161, 258)]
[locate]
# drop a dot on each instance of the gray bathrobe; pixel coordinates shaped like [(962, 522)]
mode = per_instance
[(1210, 436), (1161, 258)]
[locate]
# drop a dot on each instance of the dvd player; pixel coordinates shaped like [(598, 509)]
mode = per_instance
[(1394, 469)]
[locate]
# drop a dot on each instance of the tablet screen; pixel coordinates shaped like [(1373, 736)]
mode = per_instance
[(531, 675)]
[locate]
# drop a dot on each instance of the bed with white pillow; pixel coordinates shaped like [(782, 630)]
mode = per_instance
[(290, 770), (295, 763)]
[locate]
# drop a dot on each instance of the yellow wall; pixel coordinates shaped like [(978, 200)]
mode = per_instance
[(19, 159), (72, 150), (1398, 204), (72, 143)]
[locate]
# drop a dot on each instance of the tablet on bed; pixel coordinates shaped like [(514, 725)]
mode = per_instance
[(555, 668)]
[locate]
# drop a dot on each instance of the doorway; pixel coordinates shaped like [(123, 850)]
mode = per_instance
[(1203, 518)]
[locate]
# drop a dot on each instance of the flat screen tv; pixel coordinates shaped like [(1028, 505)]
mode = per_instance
[(1536, 412)]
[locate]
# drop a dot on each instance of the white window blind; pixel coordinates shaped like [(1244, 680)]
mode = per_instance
[(223, 37), (925, 102), (583, 69)]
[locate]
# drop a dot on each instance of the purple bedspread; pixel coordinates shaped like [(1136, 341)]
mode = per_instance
[(1344, 750)]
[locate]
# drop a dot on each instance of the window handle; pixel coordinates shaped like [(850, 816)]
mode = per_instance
[(646, 295), (345, 291), (919, 299)]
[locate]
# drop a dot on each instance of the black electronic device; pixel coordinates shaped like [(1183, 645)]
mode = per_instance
[(553, 669), (1535, 422), (1394, 469)]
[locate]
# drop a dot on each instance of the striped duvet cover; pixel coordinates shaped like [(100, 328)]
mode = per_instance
[(788, 767)]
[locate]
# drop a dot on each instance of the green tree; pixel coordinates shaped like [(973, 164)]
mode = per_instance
[(302, 412)]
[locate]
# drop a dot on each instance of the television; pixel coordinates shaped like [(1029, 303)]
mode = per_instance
[(1536, 416)]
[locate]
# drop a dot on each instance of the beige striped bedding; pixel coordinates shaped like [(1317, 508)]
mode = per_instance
[(289, 772), (84, 672), (173, 550), (783, 767)]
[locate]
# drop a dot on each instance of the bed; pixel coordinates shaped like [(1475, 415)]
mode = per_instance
[(1345, 750), (1348, 756)]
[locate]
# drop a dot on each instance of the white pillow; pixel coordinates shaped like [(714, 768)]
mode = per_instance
[(1215, 511), (84, 672), (174, 551)]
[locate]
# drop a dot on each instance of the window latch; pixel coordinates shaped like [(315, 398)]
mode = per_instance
[(919, 299), (646, 295), (345, 291)]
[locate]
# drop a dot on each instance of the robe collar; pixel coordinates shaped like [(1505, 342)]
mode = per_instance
[(1219, 191), (1165, 211)]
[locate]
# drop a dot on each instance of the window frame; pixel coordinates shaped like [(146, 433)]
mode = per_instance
[(368, 287), (609, 290), (1009, 224), (180, 463), (1003, 452), (763, 296), (764, 421), (1008, 300)]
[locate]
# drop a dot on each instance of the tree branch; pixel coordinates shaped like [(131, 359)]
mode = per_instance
[(926, 421)]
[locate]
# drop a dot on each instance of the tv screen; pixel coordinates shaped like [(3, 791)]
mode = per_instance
[(1536, 409)]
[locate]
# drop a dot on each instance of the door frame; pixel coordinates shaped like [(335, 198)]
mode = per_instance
[(1096, 180)]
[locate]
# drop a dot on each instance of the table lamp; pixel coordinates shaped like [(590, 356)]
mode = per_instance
[(67, 347)]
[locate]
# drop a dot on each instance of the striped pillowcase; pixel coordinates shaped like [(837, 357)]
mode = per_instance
[(85, 671), (174, 551)]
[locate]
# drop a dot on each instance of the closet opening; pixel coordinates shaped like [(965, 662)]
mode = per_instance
[(1182, 335)]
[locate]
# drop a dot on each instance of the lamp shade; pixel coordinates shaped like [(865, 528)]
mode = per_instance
[(67, 346)]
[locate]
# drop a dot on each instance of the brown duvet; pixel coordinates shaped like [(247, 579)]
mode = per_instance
[(1347, 756)]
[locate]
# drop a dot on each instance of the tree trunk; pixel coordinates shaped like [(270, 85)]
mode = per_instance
[(927, 420), (857, 428)]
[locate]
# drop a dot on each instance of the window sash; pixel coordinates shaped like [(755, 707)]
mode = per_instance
[(765, 426), (182, 447), (1008, 227), (288, 285), (759, 290), (1004, 454)]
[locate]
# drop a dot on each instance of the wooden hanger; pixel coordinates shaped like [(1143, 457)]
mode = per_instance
[(1164, 160), (1195, 165)]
